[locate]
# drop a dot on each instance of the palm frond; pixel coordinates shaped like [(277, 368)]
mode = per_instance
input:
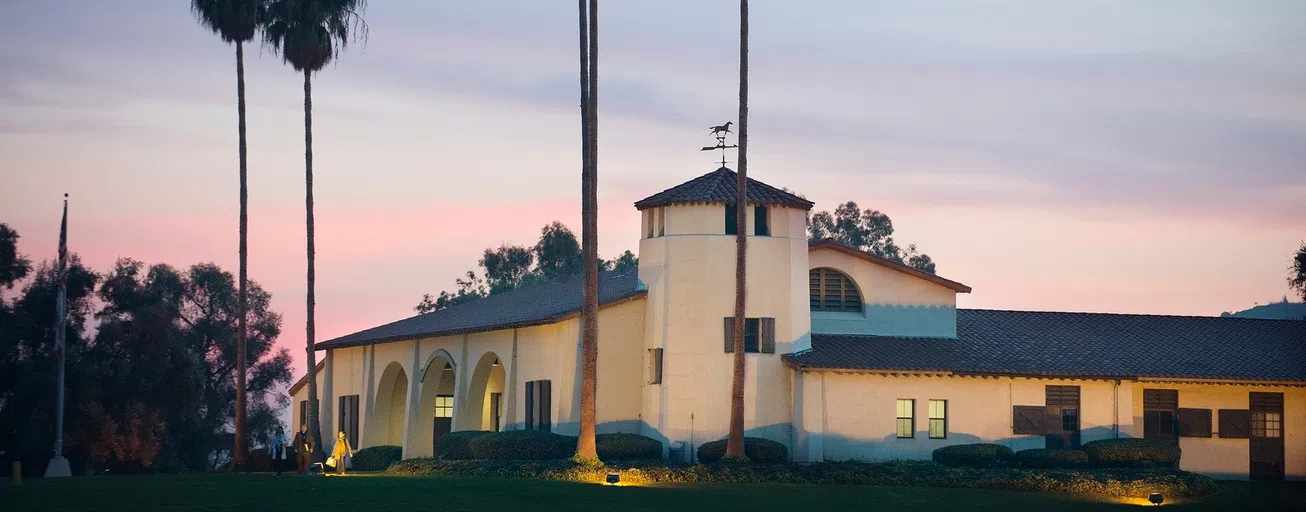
[(310, 33), (233, 20)]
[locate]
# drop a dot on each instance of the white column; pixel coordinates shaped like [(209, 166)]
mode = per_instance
[(327, 421), (510, 415), (369, 401), (414, 400), (1125, 410)]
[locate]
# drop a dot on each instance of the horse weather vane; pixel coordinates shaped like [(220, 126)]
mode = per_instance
[(720, 132)]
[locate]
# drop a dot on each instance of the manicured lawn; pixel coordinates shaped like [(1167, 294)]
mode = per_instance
[(376, 492)]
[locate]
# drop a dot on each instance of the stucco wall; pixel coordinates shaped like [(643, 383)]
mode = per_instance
[(848, 416), (893, 303), (690, 278), (1229, 458)]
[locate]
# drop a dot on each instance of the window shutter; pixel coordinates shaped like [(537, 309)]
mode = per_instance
[(1235, 423), (303, 412), (766, 344), (530, 405), (654, 366), (1161, 399), (1062, 395), (546, 407), (342, 416), (1194, 422), (730, 334), (1029, 419)]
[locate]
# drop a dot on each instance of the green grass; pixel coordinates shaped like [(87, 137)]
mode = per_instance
[(376, 492)]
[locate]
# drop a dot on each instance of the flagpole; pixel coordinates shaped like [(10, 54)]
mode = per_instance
[(58, 466)]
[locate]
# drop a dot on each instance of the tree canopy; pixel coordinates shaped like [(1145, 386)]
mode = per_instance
[(153, 388), (509, 267), (869, 230), (1297, 271)]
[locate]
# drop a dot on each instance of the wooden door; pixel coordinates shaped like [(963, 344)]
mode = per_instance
[(1266, 442), (443, 423)]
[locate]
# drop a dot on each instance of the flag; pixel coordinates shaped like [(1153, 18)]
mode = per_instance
[(61, 306)]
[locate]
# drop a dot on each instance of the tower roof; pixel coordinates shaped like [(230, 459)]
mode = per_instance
[(719, 187)]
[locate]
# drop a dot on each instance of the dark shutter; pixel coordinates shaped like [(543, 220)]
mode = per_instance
[(1063, 395), (732, 220), (730, 334), (761, 221), (303, 412), (766, 344), (654, 366), (1194, 422), (1161, 399), (546, 408), (343, 416), (1029, 419), (1266, 401), (530, 405), (1235, 423)]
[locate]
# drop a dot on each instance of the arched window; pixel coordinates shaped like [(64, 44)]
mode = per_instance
[(832, 290)]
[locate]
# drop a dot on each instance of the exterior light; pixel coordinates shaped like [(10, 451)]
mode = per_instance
[(614, 478), (448, 367), (496, 362), (1156, 498)]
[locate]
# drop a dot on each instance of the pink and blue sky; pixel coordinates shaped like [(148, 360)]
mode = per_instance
[(1118, 156)]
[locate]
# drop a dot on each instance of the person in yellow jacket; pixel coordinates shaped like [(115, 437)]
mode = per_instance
[(341, 449)]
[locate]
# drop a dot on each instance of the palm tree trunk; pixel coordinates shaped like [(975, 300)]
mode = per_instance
[(585, 444), (241, 450), (735, 443), (313, 427)]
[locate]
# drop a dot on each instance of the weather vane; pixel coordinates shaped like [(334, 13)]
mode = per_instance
[(720, 132)]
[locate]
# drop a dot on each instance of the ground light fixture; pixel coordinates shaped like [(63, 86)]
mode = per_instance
[(614, 478), (1156, 498)]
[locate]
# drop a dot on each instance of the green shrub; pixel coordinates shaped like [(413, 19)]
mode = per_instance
[(1100, 483), (627, 447), (977, 455), (756, 449), (1133, 453), (1051, 458), (523, 445), (457, 445), (377, 458)]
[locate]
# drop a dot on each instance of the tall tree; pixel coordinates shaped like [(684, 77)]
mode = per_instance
[(735, 442), (308, 34), (236, 21), (13, 266), (1297, 272), (557, 252), (589, 56), (869, 230)]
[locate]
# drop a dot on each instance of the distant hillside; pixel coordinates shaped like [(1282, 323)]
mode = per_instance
[(1273, 311)]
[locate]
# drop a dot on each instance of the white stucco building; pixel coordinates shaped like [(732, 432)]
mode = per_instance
[(850, 357)]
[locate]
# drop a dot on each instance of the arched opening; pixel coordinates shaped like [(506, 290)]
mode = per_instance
[(485, 398), (435, 411), (832, 290), (386, 426)]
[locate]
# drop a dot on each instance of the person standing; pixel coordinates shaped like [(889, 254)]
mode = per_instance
[(341, 449), (277, 449), (303, 448)]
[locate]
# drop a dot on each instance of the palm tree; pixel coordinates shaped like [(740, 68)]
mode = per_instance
[(735, 443), (308, 34), (589, 87), (236, 21)]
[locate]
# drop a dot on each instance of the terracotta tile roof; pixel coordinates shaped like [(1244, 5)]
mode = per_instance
[(829, 243), (537, 304), (719, 187), (1095, 345)]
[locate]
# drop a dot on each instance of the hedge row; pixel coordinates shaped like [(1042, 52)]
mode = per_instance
[(756, 449), (457, 445), (377, 458), (1114, 483), (1106, 453)]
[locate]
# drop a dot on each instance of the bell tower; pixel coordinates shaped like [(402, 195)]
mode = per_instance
[(687, 261)]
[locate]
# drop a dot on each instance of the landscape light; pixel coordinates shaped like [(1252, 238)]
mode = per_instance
[(614, 478), (1156, 498)]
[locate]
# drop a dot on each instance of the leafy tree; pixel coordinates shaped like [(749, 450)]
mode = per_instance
[(869, 230), (236, 21), (1297, 272), (506, 266), (557, 252), (13, 266), (510, 266), (309, 34), (28, 367)]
